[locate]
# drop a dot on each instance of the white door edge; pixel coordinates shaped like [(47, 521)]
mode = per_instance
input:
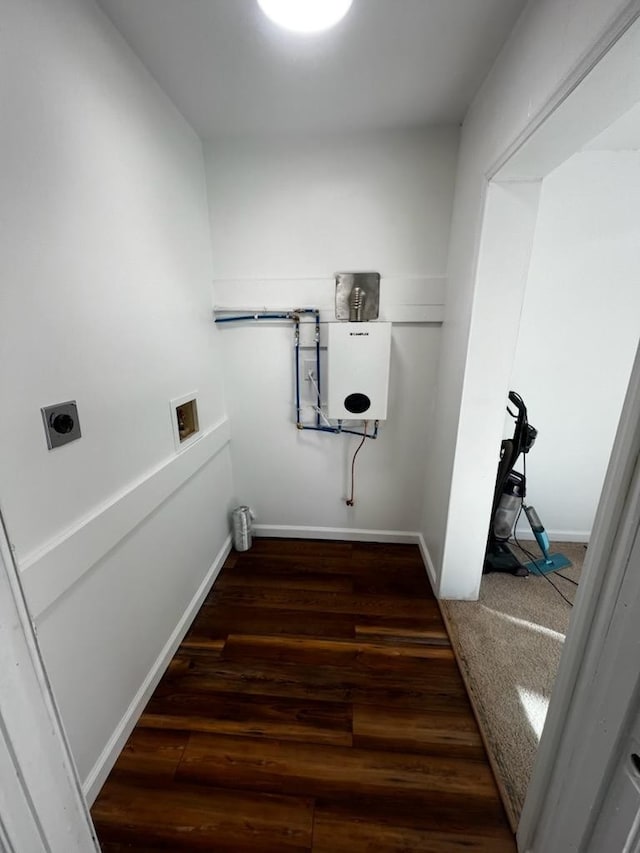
[(44, 810)]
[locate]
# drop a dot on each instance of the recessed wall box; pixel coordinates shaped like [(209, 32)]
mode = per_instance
[(61, 423), (184, 413), (368, 284), (358, 370)]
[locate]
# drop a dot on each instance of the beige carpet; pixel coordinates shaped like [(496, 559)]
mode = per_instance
[(508, 645)]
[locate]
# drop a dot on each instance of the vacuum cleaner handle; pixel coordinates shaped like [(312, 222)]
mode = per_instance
[(524, 434), (518, 402)]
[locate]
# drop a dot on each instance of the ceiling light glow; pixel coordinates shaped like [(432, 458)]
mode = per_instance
[(305, 16)]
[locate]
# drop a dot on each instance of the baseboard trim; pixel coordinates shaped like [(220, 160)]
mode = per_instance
[(345, 534), (495, 767), (428, 562), (353, 534), (107, 758), (582, 536)]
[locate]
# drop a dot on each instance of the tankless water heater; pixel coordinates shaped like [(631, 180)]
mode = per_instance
[(358, 370)]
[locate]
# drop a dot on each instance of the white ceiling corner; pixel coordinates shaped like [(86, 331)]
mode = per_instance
[(389, 63)]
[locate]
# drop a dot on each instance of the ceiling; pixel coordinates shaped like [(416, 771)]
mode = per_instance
[(389, 63)]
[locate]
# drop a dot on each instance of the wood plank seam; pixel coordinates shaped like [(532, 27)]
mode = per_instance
[(296, 730)]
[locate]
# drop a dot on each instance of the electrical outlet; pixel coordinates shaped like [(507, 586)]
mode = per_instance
[(61, 423)]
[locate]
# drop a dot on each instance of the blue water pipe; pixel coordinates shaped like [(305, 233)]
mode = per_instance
[(260, 316), (297, 366), (338, 430), (318, 368)]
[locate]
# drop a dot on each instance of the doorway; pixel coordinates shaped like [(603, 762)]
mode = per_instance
[(590, 133), (578, 334)]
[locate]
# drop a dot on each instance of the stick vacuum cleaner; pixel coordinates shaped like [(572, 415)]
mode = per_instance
[(508, 500)]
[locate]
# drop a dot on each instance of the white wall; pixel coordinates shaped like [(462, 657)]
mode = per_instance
[(285, 216), (105, 299), (579, 331), (307, 208), (550, 39)]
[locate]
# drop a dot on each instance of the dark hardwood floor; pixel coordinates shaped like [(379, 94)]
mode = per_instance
[(315, 704)]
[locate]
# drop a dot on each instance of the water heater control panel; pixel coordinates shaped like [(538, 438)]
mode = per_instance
[(358, 370)]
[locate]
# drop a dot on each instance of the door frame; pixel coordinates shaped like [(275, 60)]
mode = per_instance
[(568, 787), (595, 693), (45, 810)]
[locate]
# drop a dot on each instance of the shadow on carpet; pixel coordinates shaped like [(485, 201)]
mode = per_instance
[(508, 645)]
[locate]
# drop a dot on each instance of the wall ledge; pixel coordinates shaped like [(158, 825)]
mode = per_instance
[(403, 299), (49, 572)]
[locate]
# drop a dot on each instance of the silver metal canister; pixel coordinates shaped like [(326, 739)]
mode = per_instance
[(242, 518)]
